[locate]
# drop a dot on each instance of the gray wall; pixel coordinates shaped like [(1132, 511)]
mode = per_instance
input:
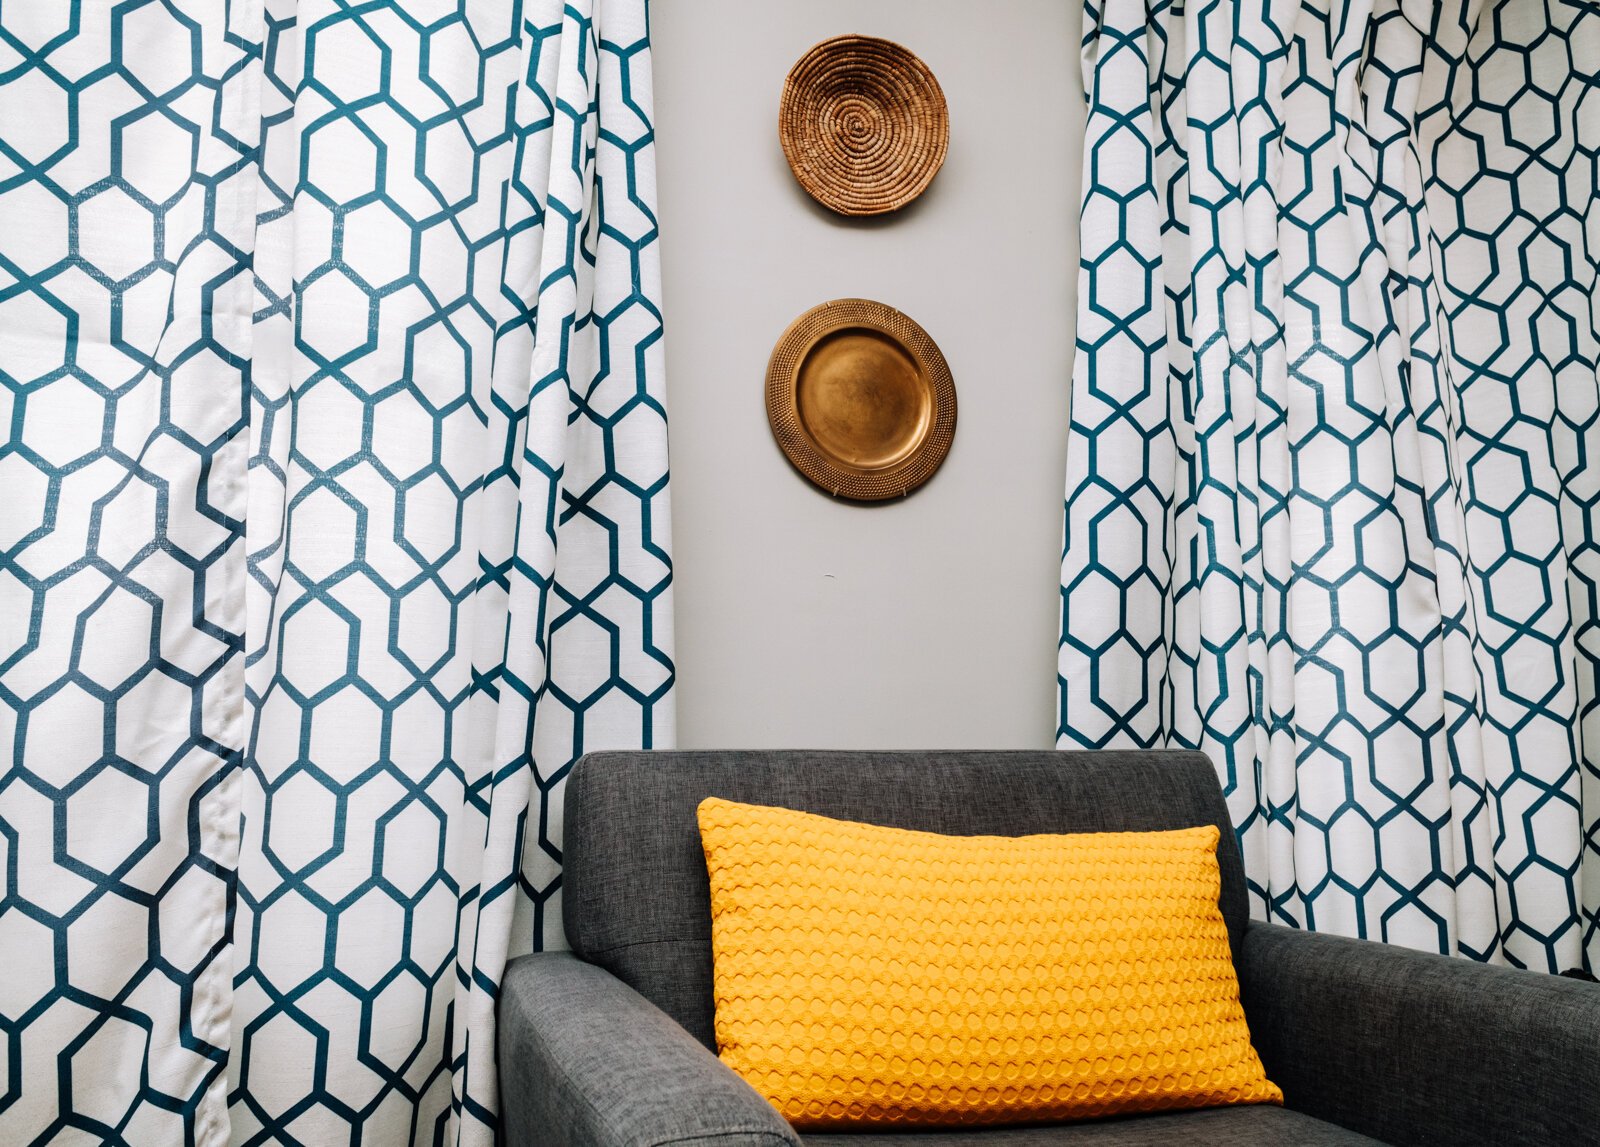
[(927, 622)]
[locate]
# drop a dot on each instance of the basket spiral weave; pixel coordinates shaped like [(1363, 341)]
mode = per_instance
[(864, 124)]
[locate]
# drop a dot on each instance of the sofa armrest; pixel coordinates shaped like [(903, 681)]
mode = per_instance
[(1413, 1048), (585, 1061)]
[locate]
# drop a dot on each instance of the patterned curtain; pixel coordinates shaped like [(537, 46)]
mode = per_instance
[(1333, 483), (334, 526)]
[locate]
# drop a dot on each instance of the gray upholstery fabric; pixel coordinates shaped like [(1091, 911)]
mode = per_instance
[(1417, 1049), (634, 887), (1220, 1127), (1400, 1046), (586, 1062)]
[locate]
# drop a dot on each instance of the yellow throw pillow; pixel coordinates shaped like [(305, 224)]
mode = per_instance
[(881, 977)]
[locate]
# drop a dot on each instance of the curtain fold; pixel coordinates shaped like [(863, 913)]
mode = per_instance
[(1329, 500), (335, 528)]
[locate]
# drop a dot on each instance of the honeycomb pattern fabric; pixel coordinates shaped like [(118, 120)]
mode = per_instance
[(334, 525), (877, 976), (1332, 514)]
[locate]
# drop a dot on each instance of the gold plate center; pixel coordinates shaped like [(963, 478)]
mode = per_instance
[(861, 398)]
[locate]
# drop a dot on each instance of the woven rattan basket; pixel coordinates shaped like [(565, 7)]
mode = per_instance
[(864, 124)]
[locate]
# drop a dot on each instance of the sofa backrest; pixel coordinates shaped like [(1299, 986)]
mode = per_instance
[(636, 897)]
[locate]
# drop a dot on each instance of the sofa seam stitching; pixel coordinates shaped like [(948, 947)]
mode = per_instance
[(765, 1134)]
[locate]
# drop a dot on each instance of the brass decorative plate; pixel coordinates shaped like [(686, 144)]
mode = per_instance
[(861, 400), (864, 124)]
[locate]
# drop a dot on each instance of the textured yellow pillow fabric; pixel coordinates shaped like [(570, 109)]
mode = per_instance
[(870, 976)]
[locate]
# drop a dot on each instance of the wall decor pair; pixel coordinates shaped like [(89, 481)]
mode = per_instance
[(859, 396)]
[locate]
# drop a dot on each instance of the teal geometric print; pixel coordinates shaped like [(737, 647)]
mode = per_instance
[(334, 527), (1332, 496)]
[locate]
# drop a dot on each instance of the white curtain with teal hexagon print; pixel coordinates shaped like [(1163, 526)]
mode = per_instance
[(333, 526), (1333, 486)]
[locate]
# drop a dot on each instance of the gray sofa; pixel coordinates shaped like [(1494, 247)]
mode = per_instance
[(612, 1045)]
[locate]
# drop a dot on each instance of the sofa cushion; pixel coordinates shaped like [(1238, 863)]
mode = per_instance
[(870, 976), (636, 898), (1217, 1127)]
